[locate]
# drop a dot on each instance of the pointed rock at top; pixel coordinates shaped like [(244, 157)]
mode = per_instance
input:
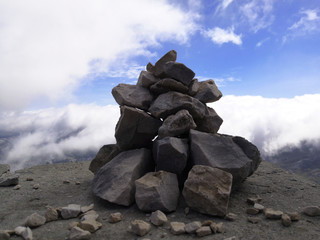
[(208, 92), (157, 69), (132, 95)]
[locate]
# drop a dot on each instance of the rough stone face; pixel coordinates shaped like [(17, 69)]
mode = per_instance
[(193, 227), (114, 182), (221, 152), (90, 225), (146, 79), (193, 87), (171, 154), (311, 211), (135, 128), (71, 211), (105, 154), (166, 85), (157, 69), (9, 180), (171, 102), (85, 209), (177, 71), (24, 232), (177, 228), (208, 92), (272, 214), (216, 227), (35, 220), (132, 95), (203, 231), (90, 215), (294, 216), (158, 218), (286, 220), (140, 227), (259, 207), (207, 190), (210, 123), (157, 191), (177, 124), (231, 217), (4, 168), (51, 214), (115, 217), (77, 233)]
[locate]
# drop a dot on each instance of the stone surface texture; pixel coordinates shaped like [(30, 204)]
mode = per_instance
[(105, 154)]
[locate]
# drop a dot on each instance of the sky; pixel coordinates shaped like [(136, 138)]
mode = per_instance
[(59, 61)]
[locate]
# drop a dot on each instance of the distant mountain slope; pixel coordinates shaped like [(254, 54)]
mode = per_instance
[(304, 159)]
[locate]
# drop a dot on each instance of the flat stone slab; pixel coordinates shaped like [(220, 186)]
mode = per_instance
[(168, 84), (114, 182)]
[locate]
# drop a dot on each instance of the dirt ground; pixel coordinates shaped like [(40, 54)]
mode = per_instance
[(278, 188)]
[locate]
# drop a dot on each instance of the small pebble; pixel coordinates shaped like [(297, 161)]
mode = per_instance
[(252, 211), (115, 217), (158, 218), (17, 187), (177, 228), (272, 214), (29, 179), (204, 231), (286, 220), (140, 227), (294, 216), (254, 220), (36, 186), (66, 181), (311, 211), (230, 217)]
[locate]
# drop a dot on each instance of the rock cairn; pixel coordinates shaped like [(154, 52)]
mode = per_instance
[(168, 141)]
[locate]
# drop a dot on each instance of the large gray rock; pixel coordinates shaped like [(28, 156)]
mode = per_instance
[(105, 154), (208, 92), (146, 79), (177, 71), (132, 95), (9, 179), (168, 84), (157, 69), (219, 151), (177, 124), (157, 191), (210, 123), (171, 154), (135, 128), (114, 182), (171, 102), (207, 190)]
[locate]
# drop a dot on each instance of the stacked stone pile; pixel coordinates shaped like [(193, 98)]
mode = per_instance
[(167, 138)]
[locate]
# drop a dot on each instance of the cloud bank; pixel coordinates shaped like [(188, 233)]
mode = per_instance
[(48, 47), (68, 133)]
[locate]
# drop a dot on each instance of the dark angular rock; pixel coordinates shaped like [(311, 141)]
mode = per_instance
[(193, 87), (105, 154), (135, 128), (177, 71), (250, 150), (8, 180), (207, 190), (171, 154), (210, 123), (114, 182), (171, 102), (132, 95), (157, 69), (208, 92), (146, 79), (177, 124), (166, 85), (157, 191), (221, 152)]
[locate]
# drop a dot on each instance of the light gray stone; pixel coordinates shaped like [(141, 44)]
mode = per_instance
[(90, 225), (177, 228), (203, 231), (132, 95), (177, 124), (208, 92), (24, 232), (8, 180), (51, 214), (311, 211), (286, 220), (90, 215), (231, 217), (71, 211), (135, 129), (140, 227), (171, 102), (157, 191), (114, 182), (35, 220), (259, 207), (115, 217), (158, 218), (88, 208), (193, 227), (294, 216), (213, 198), (272, 214), (77, 233), (171, 154), (166, 85), (216, 227), (4, 168), (146, 79), (104, 155)]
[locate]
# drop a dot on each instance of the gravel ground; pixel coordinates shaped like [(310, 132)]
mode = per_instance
[(278, 189)]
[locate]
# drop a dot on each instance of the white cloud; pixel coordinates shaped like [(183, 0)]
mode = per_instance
[(221, 36), (50, 134), (309, 22), (223, 5), (260, 43), (258, 13), (47, 47)]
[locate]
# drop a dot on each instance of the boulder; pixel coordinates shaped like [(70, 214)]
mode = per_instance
[(9, 179), (219, 151), (132, 95), (35, 220), (193, 87), (207, 190), (210, 123), (114, 182), (171, 154), (71, 211), (105, 154), (208, 92), (166, 85), (177, 71), (158, 218), (157, 191), (146, 79), (157, 69), (177, 124), (135, 129), (171, 102)]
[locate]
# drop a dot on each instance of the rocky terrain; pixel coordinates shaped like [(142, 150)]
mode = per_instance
[(70, 183)]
